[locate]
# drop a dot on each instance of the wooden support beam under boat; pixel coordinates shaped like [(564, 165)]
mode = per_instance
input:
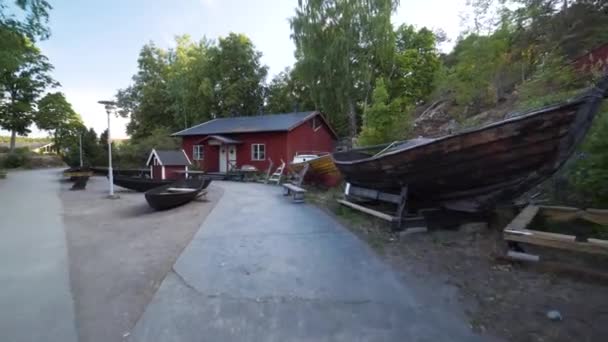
[(400, 220), (376, 213), (517, 231), (352, 190)]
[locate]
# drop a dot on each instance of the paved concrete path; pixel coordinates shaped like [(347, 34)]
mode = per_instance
[(35, 299), (262, 268)]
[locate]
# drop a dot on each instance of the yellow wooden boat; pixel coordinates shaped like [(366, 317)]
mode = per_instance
[(321, 168)]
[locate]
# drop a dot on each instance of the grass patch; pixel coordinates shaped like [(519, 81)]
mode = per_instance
[(571, 227), (375, 232)]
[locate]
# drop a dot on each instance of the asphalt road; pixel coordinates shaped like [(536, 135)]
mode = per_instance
[(35, 299), (262, 268)]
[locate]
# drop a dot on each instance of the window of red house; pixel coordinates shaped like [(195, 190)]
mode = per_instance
[(258, 152), (197, 152)]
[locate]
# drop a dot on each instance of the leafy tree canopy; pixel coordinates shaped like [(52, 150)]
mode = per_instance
[(21, 84), (287, 92), (193, 82), (383, 120)]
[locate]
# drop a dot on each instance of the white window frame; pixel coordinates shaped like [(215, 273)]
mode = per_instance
[(255, 152), (198, 152)]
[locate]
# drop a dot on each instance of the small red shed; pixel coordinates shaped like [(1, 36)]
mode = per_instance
[(168, 164), (219, 144)]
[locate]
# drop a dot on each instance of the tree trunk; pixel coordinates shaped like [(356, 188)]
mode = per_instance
[(352, 120), (13, 140)]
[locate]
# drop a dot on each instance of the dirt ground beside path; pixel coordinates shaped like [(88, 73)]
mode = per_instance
[(119, 252), (504, 300)]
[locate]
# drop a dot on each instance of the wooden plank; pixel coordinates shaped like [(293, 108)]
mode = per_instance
[(369, 211), (293, 187), (523, 219), (560, 241), (78, 174), (557, 213), (522, 256), (374, 194), (599, 216)]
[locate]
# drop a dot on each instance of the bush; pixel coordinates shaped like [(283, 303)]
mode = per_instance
[(19, 158), (590, 174), (135, 152)]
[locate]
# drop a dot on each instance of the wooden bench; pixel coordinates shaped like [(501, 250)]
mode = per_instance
[(296, 191)]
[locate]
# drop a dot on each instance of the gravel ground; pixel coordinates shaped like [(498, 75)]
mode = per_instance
[(119, 253), (509, 301)]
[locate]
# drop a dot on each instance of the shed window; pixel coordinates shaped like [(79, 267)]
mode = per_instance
[(197, 152), (258, 152)]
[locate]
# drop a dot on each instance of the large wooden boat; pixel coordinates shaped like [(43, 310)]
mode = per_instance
[(177, 193), (140, 184), (480, 168), (321, 168)]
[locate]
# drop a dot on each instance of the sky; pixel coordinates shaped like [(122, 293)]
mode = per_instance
[(94, 44)]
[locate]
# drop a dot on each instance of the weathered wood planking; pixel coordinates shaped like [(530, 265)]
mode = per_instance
[(489, 165), (560, 241), (523, 219), (369, 211), (557, 213), (517, 231)]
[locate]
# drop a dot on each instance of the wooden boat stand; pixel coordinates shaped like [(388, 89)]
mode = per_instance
[(400, 220), (517, 233)]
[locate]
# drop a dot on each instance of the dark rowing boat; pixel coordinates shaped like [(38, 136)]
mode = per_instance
[(477, 169), (139, 184), (177, 193)]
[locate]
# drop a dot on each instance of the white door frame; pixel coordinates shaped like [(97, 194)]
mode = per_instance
[(223, 158)]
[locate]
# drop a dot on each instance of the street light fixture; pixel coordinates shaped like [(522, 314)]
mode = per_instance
[(110, 106)]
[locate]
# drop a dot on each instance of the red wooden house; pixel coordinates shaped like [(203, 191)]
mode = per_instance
[(594, 60), (168, 164), (219, 144)]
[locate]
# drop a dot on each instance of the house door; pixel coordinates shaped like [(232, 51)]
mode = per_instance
[(231, 157), (227, 157), (223, 158)]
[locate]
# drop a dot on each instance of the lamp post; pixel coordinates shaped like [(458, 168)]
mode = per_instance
[(110, 106)]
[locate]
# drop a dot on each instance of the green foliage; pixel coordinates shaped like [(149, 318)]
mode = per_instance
[(24, 140), (193, 82), (26, 17), (56, 115), (147, 100), (341, 46), (552, 82), (93, 150), (22, 81), (20, 157), (287, 93), (135, 152), (416, 64), (384, 120), (20, 24), (590, 174), (236, 77), (479, 71)]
